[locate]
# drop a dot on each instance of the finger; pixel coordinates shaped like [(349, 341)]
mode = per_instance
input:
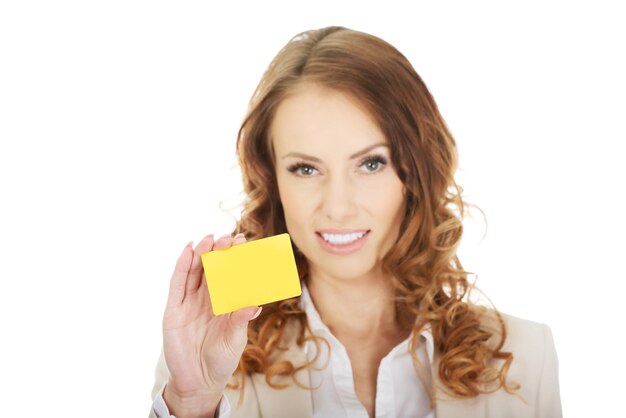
[(223, 242), (239, 239), (195, 272), (239, 319), (203, 289), (179, 277)]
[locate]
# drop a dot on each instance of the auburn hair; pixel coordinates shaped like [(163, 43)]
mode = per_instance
[(430, 284)]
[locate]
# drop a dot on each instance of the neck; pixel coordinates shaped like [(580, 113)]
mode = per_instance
[(360, 309)]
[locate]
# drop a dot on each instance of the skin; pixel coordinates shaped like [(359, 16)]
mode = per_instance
[(333, 190), (201, 350)]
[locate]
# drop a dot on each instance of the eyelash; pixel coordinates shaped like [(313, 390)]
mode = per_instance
[(375, 158)]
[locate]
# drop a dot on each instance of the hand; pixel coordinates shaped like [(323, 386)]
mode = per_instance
[(201, 350)]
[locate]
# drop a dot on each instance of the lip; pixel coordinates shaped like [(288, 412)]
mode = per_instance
[(342, 249)]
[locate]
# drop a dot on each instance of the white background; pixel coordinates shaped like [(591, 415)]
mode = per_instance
[(117, 135)]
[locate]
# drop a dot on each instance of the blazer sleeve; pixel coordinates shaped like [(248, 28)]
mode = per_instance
[(161, 377), (548, 396)]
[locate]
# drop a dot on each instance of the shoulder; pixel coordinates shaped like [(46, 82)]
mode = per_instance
[(534, 366), (522, 335), (521, 329), (529, 342)]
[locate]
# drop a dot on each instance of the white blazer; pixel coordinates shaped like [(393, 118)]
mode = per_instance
[(534, 368)]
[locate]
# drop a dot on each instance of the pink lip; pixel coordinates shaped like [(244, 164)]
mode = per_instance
[(342, 249)]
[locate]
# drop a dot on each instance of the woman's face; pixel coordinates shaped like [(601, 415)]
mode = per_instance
[(342, 198)]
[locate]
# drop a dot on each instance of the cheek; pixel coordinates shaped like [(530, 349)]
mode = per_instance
[(294, 202), (392, 210), (387, 194)]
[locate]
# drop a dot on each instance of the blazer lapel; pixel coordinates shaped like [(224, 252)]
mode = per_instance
[(292, 401)]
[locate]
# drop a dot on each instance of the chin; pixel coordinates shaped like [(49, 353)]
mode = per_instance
[(342, 269)]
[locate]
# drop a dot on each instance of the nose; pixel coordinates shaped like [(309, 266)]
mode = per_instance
[(338, 200)]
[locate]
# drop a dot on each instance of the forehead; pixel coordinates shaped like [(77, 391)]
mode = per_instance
[(317, 118)]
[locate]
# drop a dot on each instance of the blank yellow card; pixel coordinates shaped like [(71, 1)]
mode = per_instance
[(251, 274)]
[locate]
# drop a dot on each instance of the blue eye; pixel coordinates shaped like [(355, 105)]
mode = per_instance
[(374, 164), (302, 169)]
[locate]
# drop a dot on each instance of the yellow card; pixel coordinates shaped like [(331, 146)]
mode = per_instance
[(251, 274)]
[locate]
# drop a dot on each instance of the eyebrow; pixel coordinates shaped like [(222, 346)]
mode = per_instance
[(353, 156)]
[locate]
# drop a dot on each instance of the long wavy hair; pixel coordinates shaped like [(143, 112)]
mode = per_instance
[(431, 287)]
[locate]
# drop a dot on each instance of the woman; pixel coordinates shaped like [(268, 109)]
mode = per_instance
[(344, 148)]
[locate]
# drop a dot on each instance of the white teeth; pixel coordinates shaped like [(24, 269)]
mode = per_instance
[(342, 238)]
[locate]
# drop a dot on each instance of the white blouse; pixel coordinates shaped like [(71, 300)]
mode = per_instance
[(399, 391)]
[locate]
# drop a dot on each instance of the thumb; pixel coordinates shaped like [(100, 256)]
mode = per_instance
[(241, 317)]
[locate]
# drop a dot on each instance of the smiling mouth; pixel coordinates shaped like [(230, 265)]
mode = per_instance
[(342, 239)]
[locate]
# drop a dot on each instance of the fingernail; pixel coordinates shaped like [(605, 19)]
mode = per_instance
[(239, 235), (258, 312), (207, 237), (190, 244)]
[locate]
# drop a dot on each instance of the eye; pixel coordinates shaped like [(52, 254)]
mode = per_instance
[(301, 169), (374, 164)]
